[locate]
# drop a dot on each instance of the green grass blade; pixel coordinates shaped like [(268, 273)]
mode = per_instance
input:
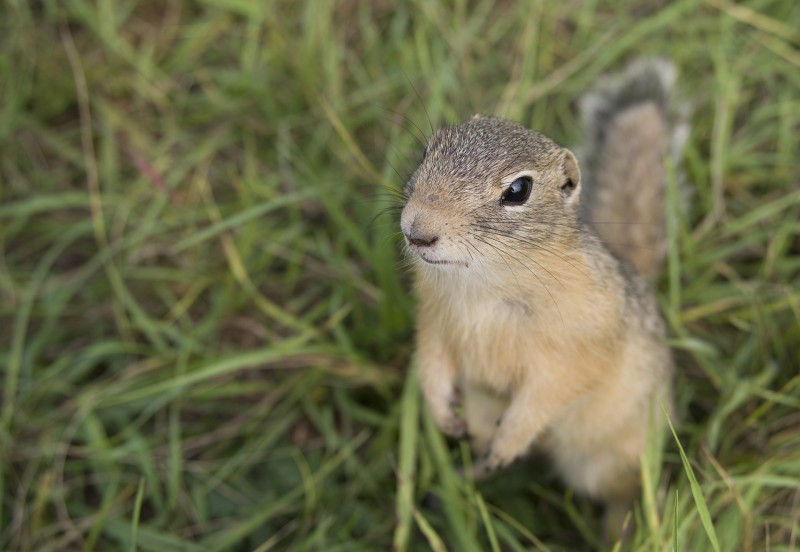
[(406, 476), (434, 540), (137, 510), (697, 491)]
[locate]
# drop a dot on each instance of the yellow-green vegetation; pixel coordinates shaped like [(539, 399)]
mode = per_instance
[(205, 324)]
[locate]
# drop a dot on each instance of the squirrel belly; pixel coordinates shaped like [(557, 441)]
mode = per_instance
[(548, 332)]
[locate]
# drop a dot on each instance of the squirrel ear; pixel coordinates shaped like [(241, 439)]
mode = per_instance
[(571, 184)]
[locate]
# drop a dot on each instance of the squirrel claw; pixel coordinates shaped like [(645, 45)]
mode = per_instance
[(482, 468), (453, 426)]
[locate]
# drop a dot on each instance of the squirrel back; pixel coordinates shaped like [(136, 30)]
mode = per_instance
[(632, 130)]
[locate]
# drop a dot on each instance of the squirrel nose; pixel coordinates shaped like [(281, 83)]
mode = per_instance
[(417, 233), (416, 238)]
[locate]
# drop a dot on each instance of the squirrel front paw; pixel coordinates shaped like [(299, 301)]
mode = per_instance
[(494, 460), (450, 423), (486, 466), (443, 409)]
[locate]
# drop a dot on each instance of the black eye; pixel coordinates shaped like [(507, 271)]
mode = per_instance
[(518, 192)]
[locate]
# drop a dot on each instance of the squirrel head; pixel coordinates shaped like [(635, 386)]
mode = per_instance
[(487, 191)]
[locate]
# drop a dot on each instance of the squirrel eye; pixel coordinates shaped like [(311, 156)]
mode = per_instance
[(518, 192)]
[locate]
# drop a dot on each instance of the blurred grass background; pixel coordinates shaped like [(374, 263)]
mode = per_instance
[(205, 324)]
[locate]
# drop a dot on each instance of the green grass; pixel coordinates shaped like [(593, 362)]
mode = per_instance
[(205, 324)]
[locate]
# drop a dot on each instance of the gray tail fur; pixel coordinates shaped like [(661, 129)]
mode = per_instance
[(632, 131)]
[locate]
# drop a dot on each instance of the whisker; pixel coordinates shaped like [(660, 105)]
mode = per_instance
[(535, 245), (497, 248), (386, 224), (425, 109), (547, 224), (422, 142), (402, 178), (479, 257)]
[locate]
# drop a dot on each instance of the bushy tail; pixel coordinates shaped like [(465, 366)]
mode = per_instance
[(632, 129)]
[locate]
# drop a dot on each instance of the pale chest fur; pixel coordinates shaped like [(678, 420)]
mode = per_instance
[(492, 341), (498, 339)]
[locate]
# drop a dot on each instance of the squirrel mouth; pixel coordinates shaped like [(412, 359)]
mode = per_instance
[(441, 262), (434, 257), (436, 262)]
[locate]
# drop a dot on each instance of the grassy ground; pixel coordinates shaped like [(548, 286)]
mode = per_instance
[(205, 329)]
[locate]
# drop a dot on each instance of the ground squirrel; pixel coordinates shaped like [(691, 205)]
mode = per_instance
[(532, 310)]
